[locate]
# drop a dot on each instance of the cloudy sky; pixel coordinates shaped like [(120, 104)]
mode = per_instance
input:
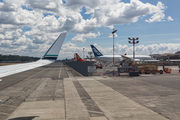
[(29, 27)]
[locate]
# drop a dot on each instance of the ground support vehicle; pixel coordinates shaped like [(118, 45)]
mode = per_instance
[(148, 68), (98, 65)]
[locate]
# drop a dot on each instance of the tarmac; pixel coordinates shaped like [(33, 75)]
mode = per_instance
[(57, 92)]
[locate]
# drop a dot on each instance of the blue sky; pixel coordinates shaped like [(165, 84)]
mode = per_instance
[(29, 27)]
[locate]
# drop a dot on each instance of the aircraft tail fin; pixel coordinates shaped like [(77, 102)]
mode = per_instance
[(96, 51), (53, 51), (78, 58)]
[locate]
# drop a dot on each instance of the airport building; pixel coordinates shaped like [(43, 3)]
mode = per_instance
[(171, 58)]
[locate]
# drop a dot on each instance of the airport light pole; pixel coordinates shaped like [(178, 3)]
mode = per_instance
[(90, 53), (0, 100), (83, 53), (113, 48), (133, 42)]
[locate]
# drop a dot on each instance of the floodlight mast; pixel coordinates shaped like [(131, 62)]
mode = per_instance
[(113, 49), (83, 53), (133, 42)]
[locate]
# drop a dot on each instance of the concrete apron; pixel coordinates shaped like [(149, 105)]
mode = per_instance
[(39, 110), (113, 104)]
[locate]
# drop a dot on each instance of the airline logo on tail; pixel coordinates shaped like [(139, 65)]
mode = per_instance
[(96, 51), (78, 58)]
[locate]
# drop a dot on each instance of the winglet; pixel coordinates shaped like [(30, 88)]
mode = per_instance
[(53, 51), (96, 51)]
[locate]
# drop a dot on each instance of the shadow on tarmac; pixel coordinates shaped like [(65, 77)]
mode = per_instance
[(24, 118)]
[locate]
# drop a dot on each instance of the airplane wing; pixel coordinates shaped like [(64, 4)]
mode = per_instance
[(126, 58), (49, 57), (98, 59)]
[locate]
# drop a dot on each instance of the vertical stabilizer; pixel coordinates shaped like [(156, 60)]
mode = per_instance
[(78, 58), (96, 51), (53, 51)]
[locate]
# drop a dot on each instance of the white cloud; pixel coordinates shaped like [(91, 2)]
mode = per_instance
[(81, 37), (85, 26), (78, 4), (20, 17), (21, 41), (158, 13), (157, 17), (11, 35), (140, 49), (1, 37), (5, 43), (7, 7), (68, 49), (170, 18), (122, 13), (46, 19), (104, 13), (8, 27), (159, 48), (51, 5), (145, 49), (39, 39), (33, 46), (46, 5)]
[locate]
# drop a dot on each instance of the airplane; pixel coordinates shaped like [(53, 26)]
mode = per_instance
[(49, 57), (87, 57), (104, 58), (78, 58)]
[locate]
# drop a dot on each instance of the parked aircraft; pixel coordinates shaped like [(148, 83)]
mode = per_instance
[(49, 57), (78, 58), (100, 57)]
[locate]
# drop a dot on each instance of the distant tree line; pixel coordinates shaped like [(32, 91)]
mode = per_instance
[(17, 58)]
